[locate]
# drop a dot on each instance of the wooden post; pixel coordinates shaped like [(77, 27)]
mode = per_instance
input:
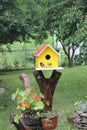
[(47, 86)]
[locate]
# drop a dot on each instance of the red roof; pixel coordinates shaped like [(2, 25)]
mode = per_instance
[(40, 50)]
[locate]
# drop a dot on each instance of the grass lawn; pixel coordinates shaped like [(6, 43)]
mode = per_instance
[(70, 88)]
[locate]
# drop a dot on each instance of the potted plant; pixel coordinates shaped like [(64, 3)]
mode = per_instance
[(49, 120), (70, 119), (29, 104)]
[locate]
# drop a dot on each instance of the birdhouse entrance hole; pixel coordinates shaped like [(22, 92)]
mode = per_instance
[(48, 57)]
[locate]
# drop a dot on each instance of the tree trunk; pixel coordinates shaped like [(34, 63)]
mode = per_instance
[(70, 61), (47, 86)]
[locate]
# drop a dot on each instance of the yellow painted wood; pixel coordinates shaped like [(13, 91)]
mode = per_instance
[(47, 59)]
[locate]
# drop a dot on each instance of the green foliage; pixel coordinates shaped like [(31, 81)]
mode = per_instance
[(68, 19), (16, 21), (17, 56), (83, 54), (77, 60), (8, 21), (81, 106), (20, 20), (9, 47), (28, 100), (81, 59), (16, 64), (16, 118), (63, 61)]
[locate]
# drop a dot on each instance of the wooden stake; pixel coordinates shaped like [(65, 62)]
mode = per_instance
[(47, 86)]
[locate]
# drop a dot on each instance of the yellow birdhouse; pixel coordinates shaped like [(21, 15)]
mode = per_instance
[(46, 58)]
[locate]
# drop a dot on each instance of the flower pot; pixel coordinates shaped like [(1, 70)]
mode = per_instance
[(29, 119), (70, 119), (49, 124)]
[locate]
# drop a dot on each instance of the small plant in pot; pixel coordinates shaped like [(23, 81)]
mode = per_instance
[(49, 120), (29, 104)]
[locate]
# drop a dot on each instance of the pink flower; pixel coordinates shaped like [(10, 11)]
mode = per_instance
[(36, 97)]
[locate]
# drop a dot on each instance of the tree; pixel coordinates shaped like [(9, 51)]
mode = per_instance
[(7, 21), (20, 20), (68, 18)]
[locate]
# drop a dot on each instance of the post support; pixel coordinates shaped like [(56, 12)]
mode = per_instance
[(47, 86)]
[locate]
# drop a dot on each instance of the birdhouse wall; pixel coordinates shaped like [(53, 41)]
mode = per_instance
[(48, 59)]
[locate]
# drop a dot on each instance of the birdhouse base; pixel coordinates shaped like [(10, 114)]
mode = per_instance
[(58, 68)]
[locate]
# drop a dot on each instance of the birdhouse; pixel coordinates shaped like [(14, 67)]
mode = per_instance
[(46, 58)]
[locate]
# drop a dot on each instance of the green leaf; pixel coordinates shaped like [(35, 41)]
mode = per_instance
[(23, 108), (41, 95), (39, 105), (16, 118), (13, 96)]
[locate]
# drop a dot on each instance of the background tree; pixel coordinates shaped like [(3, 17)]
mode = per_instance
[(20, 20), (68, 18), (8, 21)]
